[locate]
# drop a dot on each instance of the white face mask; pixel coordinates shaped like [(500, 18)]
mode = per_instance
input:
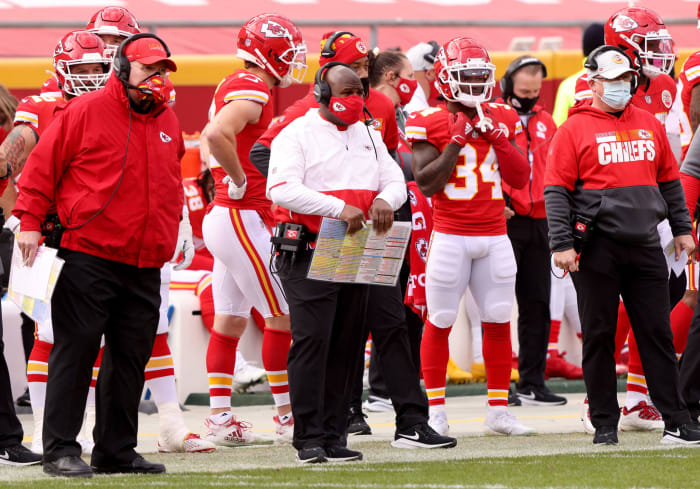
[(616, 94)]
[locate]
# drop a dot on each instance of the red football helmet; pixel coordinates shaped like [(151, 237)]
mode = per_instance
[(79, 48), (50, 87), (113, 21), (641, 32), (464, 72), (274, 43)]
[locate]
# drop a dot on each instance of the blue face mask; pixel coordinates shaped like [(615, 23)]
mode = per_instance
[(616, 94)]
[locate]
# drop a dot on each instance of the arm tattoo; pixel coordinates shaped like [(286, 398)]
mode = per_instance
[(15, 148)]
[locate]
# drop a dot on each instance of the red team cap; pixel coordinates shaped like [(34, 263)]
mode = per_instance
[(148, 51), (346, 48)]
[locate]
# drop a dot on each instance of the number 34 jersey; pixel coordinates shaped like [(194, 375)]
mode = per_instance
[(471, 203)]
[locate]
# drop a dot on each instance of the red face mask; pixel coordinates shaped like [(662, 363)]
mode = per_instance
[(154, 86), (406, 88), (347, 109)]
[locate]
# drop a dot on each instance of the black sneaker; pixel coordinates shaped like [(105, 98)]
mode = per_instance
[(685, 434), (421, 436), (513, 399), (539, 396), (24, 400), (311, 455), (18, 455), (605, 435), (342, 454), (68, 466), (356, 423)]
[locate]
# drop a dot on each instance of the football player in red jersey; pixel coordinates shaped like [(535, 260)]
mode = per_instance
[(344, 47), (459, 159), (643, 36), (237, 228)]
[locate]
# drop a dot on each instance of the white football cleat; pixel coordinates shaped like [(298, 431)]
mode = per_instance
[(503, 422), (642, 417), (284, 432), (227, 431), (437, 420), (191, 443)]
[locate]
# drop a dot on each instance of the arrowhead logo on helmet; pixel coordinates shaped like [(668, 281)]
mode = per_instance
[(273, 29), (624, 23), (338, 107)]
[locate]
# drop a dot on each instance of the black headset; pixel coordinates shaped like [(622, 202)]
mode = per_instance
[(322, 90), (592, 62), (328, 51), (122, 66), (515, 65), (430, 57)]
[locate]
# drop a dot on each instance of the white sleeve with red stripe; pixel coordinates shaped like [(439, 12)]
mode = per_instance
[(285, 179)]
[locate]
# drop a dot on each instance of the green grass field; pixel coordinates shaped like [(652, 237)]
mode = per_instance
[(554, 460)]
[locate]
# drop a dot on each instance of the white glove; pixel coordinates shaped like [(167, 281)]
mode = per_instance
[(12, 223), (185, 245), (235, 192)]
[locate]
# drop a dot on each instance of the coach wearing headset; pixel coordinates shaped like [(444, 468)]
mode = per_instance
[(328, 163), (527, 230), (111, 163), (610, 179)]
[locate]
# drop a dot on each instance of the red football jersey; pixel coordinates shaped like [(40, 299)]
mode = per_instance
[(471, 203), (689, 77), (656, 97), (378, 104), (38, 111), (243, 85)]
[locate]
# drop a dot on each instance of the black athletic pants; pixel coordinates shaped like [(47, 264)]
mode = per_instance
[(327, 321), (95, 296), (532, 290), (608, 270), (393, 357), (690, 367)]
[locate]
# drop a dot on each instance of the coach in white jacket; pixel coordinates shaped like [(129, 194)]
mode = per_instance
[(328, 163)]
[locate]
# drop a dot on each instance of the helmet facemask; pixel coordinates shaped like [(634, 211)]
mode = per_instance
[(655, 50), (470, 83), (78, 84)]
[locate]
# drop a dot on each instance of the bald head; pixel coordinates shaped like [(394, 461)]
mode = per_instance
[(343, 81)]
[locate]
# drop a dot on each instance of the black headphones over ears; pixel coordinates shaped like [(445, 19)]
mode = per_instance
[(121, 64), (430, 57), (515, 65), (322, 90), (592, 62), (328, 51)]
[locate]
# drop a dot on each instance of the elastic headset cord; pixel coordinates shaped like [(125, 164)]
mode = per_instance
[(274, 272), (119, 182)]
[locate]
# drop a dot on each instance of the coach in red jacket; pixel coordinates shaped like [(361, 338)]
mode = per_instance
[(610, 178), (111, 163)]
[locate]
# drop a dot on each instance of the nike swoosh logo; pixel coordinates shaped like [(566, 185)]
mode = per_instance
[(5, 455), (530, 396), (674, 433), (415, 436)]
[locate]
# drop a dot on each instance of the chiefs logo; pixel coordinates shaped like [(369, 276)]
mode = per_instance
[(375, 124), (418, 221), (422, 248), (617, 59), (338, 107), (361, 47), (412, 198), (541, 127), (623, 23), (667, 99), (404, 88), (644, 134), (581, 227), (273, 29)]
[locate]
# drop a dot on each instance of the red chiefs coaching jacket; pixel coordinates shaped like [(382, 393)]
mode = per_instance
[(92, 148)]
